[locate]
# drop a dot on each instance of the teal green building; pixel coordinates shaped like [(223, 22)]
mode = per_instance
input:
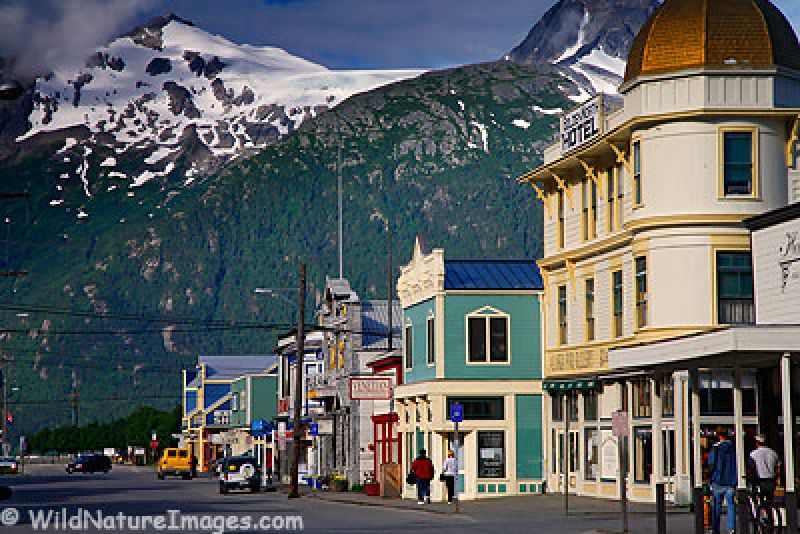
[(472, 335)]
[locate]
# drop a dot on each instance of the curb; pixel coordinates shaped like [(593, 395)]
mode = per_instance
[(381, 505)]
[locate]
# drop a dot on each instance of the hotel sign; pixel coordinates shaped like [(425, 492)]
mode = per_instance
[(577, 360), (370, 388), (581, 125)]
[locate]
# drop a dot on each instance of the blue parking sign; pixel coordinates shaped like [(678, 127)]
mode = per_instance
[(456, 412), (313, 429)]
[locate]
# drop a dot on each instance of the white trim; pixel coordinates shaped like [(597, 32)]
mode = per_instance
[(408, 328), (430, 327), (775, 339)]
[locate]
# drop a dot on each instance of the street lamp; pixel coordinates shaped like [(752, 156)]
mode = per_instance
[(390, 283)]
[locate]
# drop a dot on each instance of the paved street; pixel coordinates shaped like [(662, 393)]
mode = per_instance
[(136, 491)]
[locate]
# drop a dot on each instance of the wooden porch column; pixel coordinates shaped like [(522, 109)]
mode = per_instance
[(788, 443), (697, 457), (742, 512)]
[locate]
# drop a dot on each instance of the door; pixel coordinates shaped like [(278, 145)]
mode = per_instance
[(668, 440), (451, 446), (569, 459)]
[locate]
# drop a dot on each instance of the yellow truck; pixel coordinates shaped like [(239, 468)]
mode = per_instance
[(176, 462)]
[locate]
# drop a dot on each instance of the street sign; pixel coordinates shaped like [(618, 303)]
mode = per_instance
[(283, 405), (154, 444), (370, 388), (23, 445), (456, 412), (313, 429), (619, 424), (259, 428)]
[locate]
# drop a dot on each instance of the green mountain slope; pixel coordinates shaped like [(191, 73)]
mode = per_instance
[(437, 155)]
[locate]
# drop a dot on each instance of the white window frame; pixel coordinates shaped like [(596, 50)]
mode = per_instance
[(486, 313)]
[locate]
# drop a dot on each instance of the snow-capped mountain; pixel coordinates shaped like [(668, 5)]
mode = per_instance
[(169, 89), (588, 40)]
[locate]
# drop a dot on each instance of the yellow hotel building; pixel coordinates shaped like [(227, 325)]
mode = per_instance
[(643, 238)]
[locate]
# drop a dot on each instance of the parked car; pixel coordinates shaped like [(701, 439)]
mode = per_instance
[(9, 465), (239, 472), (175, 462), (89, 463)]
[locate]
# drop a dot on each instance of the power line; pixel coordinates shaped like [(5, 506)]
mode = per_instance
[(101, 399), (132, 317)]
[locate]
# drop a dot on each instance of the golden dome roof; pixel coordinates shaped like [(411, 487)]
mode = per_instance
[(716, 34)]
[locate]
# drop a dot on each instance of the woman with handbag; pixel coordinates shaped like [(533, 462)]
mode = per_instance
[(449, 475)]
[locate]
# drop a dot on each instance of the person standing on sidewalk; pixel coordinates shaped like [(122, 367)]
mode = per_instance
[(423, 470), (765, 462), (450, 474), (722, 466)]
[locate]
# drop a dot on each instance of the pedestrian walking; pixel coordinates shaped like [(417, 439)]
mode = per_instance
[(422, 468), (450, 474), (765, 463), (722, 466)]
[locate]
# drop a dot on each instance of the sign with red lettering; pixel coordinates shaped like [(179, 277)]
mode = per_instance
[(370, 388), (283, 405)]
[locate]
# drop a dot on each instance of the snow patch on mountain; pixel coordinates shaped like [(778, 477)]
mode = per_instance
[(570, 52), (191, 94)]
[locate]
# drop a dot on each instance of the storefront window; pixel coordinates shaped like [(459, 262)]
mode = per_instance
[(590, 406), (491, 454), (643, 454), (556, 407), (574, 452), (716, 393), (642, 406), (572, 406), (479, 408), (591, 446), (668, 451), (668, 397)]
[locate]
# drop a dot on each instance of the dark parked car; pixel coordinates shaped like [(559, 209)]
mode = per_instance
[(90, 463), (241, 472)]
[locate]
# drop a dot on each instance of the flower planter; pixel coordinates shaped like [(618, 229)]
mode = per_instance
[(372, 489)]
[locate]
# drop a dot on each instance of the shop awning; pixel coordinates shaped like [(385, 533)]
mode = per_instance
[(571, 385)]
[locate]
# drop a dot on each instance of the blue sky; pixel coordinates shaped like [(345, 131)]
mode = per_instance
[(379, 33)]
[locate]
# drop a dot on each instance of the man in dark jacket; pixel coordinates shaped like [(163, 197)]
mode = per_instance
[(423, 470), (722, 466)]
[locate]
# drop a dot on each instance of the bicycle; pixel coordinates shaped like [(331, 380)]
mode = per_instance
[(765, 517)]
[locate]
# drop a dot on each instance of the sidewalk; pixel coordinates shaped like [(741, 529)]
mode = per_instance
[(553, 504)]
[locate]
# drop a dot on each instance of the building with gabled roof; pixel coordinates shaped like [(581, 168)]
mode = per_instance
[(472, 335)]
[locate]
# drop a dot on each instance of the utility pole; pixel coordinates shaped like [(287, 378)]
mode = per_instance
[(339, 189), (390, 282), (74, 403), (294, 490), (5, 376)]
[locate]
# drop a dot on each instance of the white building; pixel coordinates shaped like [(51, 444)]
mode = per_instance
[(645, 241)]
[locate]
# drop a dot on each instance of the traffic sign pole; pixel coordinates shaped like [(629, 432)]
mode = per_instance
[(456, 415)]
